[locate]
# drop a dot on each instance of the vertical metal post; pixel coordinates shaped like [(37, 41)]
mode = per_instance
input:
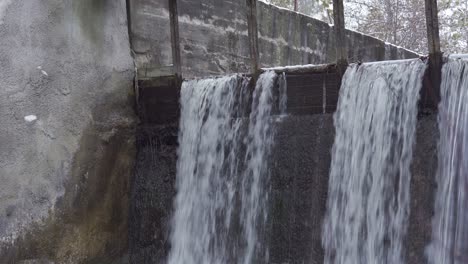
[(340, 36), (435, 55), (295, 5), (253, 34), (175, 43)]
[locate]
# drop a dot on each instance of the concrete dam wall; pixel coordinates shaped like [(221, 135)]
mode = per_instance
[(214, 38), (298, 189), (87, 180)]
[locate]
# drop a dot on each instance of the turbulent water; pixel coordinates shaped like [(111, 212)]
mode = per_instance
[(222, 173), (368, 199), (450, 225)]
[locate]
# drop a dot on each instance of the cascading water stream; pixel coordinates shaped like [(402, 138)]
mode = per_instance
[(259, 140), (368, 198), (222, 173), (450, 224)]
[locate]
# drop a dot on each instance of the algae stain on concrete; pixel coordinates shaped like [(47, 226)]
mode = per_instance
[(91, 14), (90, 222)]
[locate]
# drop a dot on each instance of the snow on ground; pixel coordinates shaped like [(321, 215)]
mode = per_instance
[(294, 67)]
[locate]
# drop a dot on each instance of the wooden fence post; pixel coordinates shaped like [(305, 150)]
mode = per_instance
[(435, 55), (340, 36), (175, 43), (253, 35)]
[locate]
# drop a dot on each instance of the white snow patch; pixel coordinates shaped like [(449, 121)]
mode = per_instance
[(186, 19), (458, 56), (40, 68), (286, 9), (280, 41), (3, 7), (392, 61), (30, 118), (294, 67)]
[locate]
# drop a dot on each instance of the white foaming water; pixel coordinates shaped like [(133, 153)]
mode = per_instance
[(368, 197), (450, 224), (222, 172), (283, 97), (258, 141)]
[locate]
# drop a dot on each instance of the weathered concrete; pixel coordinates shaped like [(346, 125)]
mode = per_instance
[(214, 37), (64, 176), (89, 223)]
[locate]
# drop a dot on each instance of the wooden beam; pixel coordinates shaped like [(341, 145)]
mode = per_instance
[(175, 42), (253, 34), (435, 55), (340, 35), (432, 23)]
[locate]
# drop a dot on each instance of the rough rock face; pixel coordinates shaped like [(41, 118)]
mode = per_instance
[(214, 37), (65, 169)]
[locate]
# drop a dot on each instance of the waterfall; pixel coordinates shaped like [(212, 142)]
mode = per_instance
[(222, 172), (450, 224), (368, 196)]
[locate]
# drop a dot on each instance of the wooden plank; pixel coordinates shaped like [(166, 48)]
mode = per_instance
[(435, 55), (340, 33), (175, 42), (312, 93), (158, 101), (253, 34), (432, 23)]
